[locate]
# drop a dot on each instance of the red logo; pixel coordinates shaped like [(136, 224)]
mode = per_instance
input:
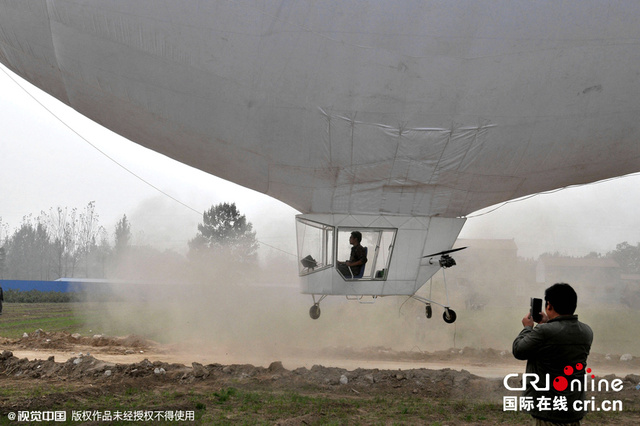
[(561, 383)]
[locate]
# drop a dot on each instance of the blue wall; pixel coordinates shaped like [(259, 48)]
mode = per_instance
[(61, 286)]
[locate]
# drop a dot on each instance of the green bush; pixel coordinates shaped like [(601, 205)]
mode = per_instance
[(36, 296)]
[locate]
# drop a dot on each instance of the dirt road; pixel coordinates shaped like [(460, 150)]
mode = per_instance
[(117, 365)]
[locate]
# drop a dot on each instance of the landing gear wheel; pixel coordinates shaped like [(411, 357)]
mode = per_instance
[(449, 316), (429, 311), (314, 312)]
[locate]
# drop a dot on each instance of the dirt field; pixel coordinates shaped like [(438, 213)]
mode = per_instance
[(88, 376)]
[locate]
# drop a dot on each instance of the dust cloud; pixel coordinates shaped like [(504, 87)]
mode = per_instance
[(232, 312), (251, 312), (224, 308)]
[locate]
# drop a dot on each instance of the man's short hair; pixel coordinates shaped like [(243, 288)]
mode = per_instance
[(562, 297), (357, 235)]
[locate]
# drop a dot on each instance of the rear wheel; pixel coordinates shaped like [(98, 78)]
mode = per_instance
[(449, 316), (314, 312)]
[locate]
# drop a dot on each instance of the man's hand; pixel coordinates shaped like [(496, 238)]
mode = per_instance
[(544, 319), (527, 321)]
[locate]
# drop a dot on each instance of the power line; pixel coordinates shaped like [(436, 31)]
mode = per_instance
[(517, 200)]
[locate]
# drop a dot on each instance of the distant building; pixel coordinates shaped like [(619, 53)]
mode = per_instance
[(630, 284), (595, 279), (488, 272), (490, 249)]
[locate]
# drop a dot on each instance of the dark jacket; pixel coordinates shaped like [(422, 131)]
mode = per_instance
[(549, 348), (357, 253)]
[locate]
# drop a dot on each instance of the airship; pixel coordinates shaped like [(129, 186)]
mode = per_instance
[(394, 119)]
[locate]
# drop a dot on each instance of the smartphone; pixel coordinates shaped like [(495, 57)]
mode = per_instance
[(536, 308)]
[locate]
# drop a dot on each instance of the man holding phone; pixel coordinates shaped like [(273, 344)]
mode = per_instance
[(558, 341)]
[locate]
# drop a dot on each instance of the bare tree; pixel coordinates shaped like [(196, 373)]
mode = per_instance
[(88, 232), (63, 229)]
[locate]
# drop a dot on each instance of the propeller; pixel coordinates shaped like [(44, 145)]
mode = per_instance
[(445, 252)]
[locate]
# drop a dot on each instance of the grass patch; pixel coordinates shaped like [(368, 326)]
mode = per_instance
[(19, 318), (231, 406), (239, 405)]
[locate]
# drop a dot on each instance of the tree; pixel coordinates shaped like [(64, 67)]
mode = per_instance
[(121, 252), (123, 235), (225, 233), (27, 253), (4, 241), (627, 256), (53, 245), (3, 262), (592, 255), (89, 231), (100, 255), (63, 228)]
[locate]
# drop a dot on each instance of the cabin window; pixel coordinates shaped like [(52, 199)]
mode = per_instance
[(315, 246), (379, 244)]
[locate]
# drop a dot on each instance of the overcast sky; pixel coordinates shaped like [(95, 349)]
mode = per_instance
[(52, 157)]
